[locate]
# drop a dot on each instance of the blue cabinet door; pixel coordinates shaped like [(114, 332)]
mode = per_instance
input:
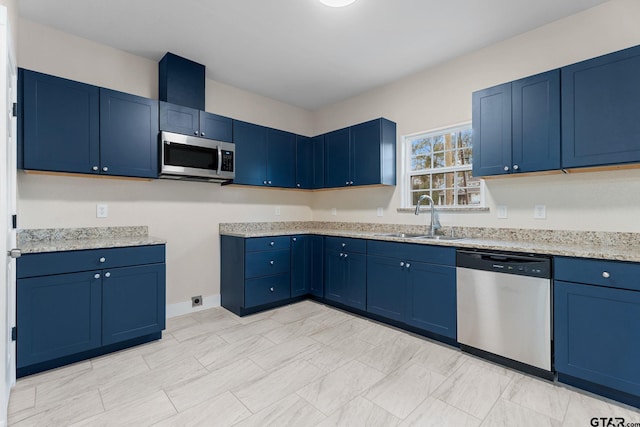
[(600, 109), (57, 316), (596, 335), (301, 262), (213, 126), (251, 153), (431, 302), (304, 162), (356, 280), (318, 162), (133, 302), (128, 135), (386, 287), (60, 124), (316, 286), (337, 158), (335, 272), (365, 153), (281, 159), (491, 122), (179, 119), (536, 123)]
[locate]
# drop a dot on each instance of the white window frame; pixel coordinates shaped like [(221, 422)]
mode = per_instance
[(407, 172)]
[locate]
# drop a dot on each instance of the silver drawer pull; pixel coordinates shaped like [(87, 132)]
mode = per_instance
[(344, 244), (408, 265), (294, 239), (401, 263), (103, 259), (346, 255), (272, 243), (606, 274), (271, 289), (271, 262), (341, 254), (107, 274), (96, 276)]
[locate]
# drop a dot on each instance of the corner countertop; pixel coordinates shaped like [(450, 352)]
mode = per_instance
[(582, 244), (31, 241)]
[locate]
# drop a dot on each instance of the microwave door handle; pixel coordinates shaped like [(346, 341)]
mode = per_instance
[(219, 160)]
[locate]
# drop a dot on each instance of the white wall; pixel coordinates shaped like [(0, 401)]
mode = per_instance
[(186, 214), (441, 96)]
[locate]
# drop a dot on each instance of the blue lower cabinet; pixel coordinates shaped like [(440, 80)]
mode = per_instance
[(57, 316), (386, 287), (133, 300), (596, 339), (345, 276), (306, 265), (266, 290)]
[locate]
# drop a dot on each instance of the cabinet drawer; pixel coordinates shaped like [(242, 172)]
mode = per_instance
[(267, 243), (42, 264), (267, 289), (623, 275), (266, 263), (413, 252), (345, 244)]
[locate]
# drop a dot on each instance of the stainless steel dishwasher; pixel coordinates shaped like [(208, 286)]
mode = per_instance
[(504, 308)]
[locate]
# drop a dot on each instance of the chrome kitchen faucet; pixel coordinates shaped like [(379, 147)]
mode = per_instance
[(435, 221)]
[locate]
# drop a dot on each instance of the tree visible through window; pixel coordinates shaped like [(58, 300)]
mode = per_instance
[(440, 166)]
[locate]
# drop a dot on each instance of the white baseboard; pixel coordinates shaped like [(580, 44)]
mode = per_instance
[(180, 308)]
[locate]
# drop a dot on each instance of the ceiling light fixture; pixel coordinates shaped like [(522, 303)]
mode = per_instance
[(337, 3)]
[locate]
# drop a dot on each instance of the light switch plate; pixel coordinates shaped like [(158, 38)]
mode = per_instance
[(379, 212), (102, 210), (334, 211), (540, 212), (277, 210), (502, 211)]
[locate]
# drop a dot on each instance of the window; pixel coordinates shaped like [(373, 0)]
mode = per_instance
[(438, 164)]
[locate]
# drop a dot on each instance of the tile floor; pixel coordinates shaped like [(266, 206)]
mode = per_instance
[(301, 365)]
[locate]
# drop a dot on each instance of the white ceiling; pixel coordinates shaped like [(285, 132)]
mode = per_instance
[(300, 51)]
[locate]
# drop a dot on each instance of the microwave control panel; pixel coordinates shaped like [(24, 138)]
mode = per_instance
[(227, 161)]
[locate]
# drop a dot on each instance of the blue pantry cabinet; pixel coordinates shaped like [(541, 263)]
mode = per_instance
[(600, 110), (516, 126), (306, 265), (596, 324), (67, 126), (78, 304), (190, 121), (345, 271)]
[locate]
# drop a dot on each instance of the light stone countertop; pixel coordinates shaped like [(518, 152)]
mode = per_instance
[(31, 241), (583, 244)]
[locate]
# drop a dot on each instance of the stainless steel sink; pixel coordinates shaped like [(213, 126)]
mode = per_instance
[(417, 236)]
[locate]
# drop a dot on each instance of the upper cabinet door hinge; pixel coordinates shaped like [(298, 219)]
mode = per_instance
[(14, 334), (15, 109)]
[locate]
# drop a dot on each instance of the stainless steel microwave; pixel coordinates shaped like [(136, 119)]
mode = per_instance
[(193, 158)]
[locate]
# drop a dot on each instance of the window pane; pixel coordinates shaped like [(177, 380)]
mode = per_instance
[(464, 139), (438, 197), (438, 160), (419, 182), (438, 143), (421, 146), (450, 158), (464, 156), (420, 163), (415, 196)]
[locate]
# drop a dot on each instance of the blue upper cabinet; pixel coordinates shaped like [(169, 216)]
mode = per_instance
[(189, 121), (264, 156), (60, 124), (128, 135), (600, 110), (363, 154), (181, 81), (516, 126), (318, 162), (304, 162)]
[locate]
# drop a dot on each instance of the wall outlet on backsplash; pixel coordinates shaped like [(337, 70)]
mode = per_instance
[(501, 211), (278, 211), (102, 210), (540, 212), (379, 212), (334, 211)]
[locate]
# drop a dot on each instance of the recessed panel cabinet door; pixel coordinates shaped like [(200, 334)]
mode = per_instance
[(128, 135), (365, 153), (60, 124), (133, 302), (281, 159), (301, 265), (337, 158), (335, 273), (57, 316), (386, 287), (179, 119), (304, 162), (491, 124), (213, 126), (251, 153)]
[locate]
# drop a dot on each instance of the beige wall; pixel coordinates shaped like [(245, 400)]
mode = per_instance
[(441, 96), (187, 214)]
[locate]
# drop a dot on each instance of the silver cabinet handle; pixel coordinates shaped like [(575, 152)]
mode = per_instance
[(195, 132), (104, 169), (606, 274), (346, 255), (107, 274), (271, 243), (269, 182), (201, 133), (295, 239), (95, 168), (298, 185), (271, 289), (344, 244), (346, 183), (401, 263), (264, 182), (103, 259), (408, 265), (350, 182), (271, 262), (14, 253), (96, 276), (341, 254), (506, 168), (516, 167)]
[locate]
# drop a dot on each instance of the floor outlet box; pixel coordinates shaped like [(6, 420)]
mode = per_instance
[(196, 301)]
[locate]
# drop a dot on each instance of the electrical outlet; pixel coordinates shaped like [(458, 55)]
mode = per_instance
[(196, 301), (334, 211), (277, 210), (502, 211), (540, 212), (102, 210), (380, 212)]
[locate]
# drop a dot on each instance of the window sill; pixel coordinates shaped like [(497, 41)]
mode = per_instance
[(447, 209)]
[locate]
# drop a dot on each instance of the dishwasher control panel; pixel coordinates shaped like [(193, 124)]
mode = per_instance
[(507, 263)]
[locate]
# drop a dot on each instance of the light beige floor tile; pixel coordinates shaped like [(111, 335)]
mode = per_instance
[(341, 331), (281, 354), (378, 334), (360, 413), (141, 412), (153, 347), (22, 398), (242, 332), (65, 412), (290, 411), (582, 408), (221, 411), (439, 358), (330, 358), (174, 354), (289, 331), (53, 374), (219, 356), (276, 385), (509, 414), (180, 322), (219, 324), (337, 388), (83, 381), (191, 393), (119, 393), (403, 390), (330, 317), (392, 355), (473, 388), (542, 396), (435, 413)]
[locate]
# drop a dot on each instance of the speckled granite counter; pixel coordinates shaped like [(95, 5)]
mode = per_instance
[(72, 239), (586, 244)]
